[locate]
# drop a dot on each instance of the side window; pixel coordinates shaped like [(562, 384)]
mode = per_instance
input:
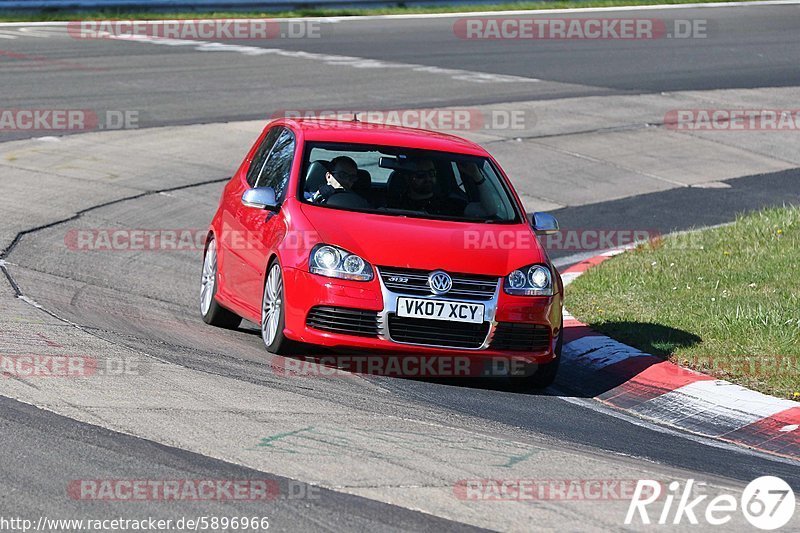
[(260, 157), (276, 169)]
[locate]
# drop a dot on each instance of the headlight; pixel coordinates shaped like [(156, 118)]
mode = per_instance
[(516, 280), (534, 280), (331, 261)]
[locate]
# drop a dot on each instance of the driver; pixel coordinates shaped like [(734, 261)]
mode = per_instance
[(421, 192), (341, 178)]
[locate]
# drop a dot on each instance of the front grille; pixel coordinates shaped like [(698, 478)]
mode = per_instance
[(344, 320), (515, 336), (415, 282), (437, 332)]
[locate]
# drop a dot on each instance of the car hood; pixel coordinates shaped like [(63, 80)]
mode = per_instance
[(404, 242)]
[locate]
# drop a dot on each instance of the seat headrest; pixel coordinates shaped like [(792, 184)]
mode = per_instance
[(364, 182), (315, 176), (396, 187)]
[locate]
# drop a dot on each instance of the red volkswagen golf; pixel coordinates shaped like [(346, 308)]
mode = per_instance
[(364, 236)]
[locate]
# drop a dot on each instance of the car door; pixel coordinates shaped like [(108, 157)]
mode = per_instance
[(232, 239), (265, 229)]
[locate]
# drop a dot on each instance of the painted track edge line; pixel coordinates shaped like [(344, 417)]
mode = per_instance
[(335, 19)]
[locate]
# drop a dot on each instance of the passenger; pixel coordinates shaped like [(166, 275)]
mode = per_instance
[(340, 179)]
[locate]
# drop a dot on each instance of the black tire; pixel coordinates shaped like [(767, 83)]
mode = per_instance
[(278, 344), (213, 313), (545, 374)]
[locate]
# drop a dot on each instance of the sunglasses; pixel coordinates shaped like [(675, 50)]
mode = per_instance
[(341, 174), (423, 174)]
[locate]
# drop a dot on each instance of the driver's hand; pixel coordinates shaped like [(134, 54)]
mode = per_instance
[(333, 182), (322, 195)]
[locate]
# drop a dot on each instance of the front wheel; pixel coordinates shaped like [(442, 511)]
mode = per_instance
[(273, 316), (212, 312), (545, 374)]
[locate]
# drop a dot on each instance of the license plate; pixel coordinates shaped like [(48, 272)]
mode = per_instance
[(440, 310)]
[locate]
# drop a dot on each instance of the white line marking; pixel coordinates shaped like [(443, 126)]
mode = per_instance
[(573, 258), (597, 352), (336, 20), (787, 429), (330, 59), (617, 251), (38, 32), (569, 277), (596, 406), (30, 301)]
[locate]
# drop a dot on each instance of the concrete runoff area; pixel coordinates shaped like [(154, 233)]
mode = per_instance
[(571, 152), (350, 435)]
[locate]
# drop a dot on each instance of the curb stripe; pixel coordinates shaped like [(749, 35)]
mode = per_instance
[(779, 433), (711, 407), (656, 380)]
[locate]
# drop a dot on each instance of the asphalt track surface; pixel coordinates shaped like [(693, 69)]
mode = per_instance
[(742, 48), (34, 485), (172, 85)]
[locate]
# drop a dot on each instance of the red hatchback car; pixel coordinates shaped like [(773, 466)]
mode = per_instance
[(362, 236)]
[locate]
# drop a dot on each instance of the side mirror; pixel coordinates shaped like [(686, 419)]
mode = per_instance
[(544, 224), (260, 198)]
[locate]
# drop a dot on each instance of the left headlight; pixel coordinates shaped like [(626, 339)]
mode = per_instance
[(533, 280), (334, 262)]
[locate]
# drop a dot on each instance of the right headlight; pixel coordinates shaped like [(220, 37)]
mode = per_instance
[(533, 280), (332, 261)]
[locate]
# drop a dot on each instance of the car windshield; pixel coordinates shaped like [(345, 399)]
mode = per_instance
[(405, 182)]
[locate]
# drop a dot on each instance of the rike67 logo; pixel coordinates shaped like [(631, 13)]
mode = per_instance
[(767, 503)]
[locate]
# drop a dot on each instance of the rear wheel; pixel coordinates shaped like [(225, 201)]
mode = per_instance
[(212, 312), (273, 315)]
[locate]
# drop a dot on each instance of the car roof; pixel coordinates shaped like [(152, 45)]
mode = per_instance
[(357, 132)]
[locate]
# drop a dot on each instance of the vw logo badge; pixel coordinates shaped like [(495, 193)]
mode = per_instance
[(440, 282)]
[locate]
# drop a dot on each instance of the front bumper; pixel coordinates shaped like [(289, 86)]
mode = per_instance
[(304, 291)]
